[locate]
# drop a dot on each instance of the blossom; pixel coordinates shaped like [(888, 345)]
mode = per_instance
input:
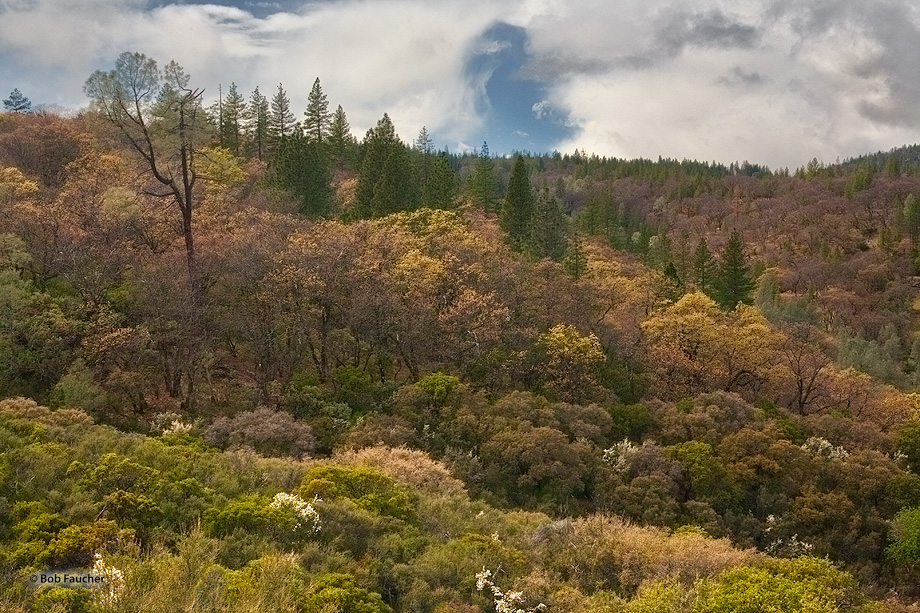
[(300, 509), (620, 455), (505, 602), (823, 447), (114, 581)]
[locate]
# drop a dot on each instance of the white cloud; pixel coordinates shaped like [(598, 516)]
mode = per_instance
[(774, 83)]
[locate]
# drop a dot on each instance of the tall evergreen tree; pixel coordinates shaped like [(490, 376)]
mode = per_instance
[(342, 143), (258, 114), (440, 191), (281, 120), (518, 206), (483, 184), (733, 283), (423, 142), (548, 227), (385, 181), (703, 266), (232, 120), (576, 260), (318, 118), (911, 217), (423, 150), (17, 103), (299, 166)]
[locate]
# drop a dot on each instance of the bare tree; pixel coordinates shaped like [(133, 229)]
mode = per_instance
[(160, 117)]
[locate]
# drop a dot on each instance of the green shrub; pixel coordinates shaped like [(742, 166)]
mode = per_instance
[(63, 600), (339, 592), (367, 487)]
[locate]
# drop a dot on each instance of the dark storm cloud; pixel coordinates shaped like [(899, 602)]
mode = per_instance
[(664, 36), (713, 29), (740, 76), (889, 62)]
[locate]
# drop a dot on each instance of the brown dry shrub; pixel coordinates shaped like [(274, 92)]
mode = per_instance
[(607, 552), (409, 466), (26, 408)]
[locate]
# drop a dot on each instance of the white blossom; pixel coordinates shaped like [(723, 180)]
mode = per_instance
[(114, 582), (823, 447), (620, 455), (303, 511), (505, 602), (178, 426)]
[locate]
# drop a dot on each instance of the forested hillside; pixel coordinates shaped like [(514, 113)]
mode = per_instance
[(253, 363)]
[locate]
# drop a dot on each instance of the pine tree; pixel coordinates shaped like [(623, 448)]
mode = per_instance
[(911, 216), (318, 118), (257, 122), (299, 166), (342, 143), (281, 121), (393, 190), (440, 191), (518, 206), (232, 118), (385, 181), (733, 283), (703, 266), (423, 142), (576, 260), (483, 184), (548, 226), (17, 103)]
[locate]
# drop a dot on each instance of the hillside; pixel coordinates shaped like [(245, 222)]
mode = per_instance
[(617, 385)]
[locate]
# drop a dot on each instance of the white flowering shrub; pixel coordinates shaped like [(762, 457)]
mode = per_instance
[(170, 423), (108, 594), (303, 514), (822, 447), (790, 548), (620, 455), (505, 602)]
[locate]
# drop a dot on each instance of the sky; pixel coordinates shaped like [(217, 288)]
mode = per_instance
[(774, 82)]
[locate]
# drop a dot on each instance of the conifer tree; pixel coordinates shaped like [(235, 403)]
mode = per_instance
[(232, 118), (440, 191), (483, 184), (257, 123), (423, 148), (733, 283), (576, 260), (281, 121), (342, 143), (299, 166), (518, 206), (548, 225), (703, 266), (385, 181), (911, 217), (318, 118), (17, 103)]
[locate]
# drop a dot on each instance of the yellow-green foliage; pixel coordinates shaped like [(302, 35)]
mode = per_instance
[(187, 527), (367, 487)]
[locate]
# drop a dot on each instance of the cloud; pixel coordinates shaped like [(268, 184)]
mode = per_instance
[(777, 82), (679, 30), (741, 76)]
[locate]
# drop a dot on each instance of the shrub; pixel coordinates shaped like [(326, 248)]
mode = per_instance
[(271, 433), (409, 466), (339, 592), (367, 487)]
